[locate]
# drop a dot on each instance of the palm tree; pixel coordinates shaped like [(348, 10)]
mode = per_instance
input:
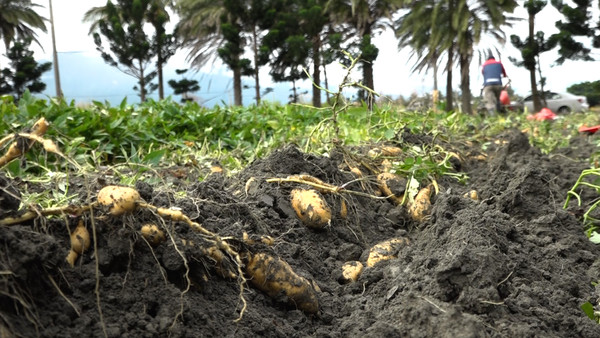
[(456, 26), (18, 19), (201, 31), (367, 17), (471, 20), (429, 42)]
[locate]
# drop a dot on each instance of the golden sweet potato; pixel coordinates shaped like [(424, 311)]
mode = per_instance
[(80, 241), (119, 200), (311, 208), (356, 172), (222, 265), (153, 234), (275, 277), (420, 208), (386, 250), (384, 151), (351, 271), (391, 186), (343, 209), (472, 194)]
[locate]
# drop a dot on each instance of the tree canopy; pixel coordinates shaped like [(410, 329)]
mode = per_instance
[(24, 72)]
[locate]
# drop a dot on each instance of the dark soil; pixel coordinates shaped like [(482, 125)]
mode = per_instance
[(512, 264)]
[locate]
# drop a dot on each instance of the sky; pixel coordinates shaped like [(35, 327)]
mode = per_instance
[(85, 76)]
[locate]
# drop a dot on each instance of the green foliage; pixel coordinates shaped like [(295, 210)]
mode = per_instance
[(18, 19), (578, 23), (184, 86), (588, 309), (591, 90), (130, 48), (25, 72)]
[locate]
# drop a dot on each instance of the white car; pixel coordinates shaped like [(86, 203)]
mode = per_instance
[(560, 103)]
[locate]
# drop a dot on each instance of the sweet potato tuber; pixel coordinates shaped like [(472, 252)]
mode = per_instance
[(472, 194), (386, 250), (420, 208), (384, 151), (276, 278), (311, 208), (80, 241), (153, 234), (391, 186), (351, 271), (119, 200)]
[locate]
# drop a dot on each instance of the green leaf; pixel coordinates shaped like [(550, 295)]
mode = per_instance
[(595, 238), (154, 157), (588, 308), (389, 134)]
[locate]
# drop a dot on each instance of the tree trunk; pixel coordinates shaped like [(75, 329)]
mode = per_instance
[(142, 82), (294, 93), (59, 92), (316, 72), (465, 83), (537, 103), (449, 94), (159, 69), (435, 79), (256, 79), (368, 78), (237, 81), (326, 84), (237, 86)]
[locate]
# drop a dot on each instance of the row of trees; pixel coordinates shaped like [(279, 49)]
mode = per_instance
[(293, 38), (18, 24)]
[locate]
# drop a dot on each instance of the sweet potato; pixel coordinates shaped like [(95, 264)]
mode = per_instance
[(153, 234), (391, 186), (351, 271), (420, 208), (252, 240), (386, 250), (472, 194), (222, 264), (384, 151), (276, 278), (356, 172), (343, 210), (80, 241), (311, 208), (119, 200)]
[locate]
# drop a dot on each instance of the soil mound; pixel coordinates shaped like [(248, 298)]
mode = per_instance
[(512, 264)]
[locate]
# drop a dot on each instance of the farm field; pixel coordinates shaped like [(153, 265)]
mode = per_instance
[(495, 251)]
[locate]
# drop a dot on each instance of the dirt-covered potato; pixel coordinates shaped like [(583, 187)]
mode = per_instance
[(119, 200), (384, 151), (311, 208), (386, 250), (153, 234), (420, 208), (276, 278), (392, 186), (472, 194), (343, 209), (351, 271)]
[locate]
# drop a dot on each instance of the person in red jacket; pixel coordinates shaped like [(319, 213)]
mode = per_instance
[(493, 72)]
